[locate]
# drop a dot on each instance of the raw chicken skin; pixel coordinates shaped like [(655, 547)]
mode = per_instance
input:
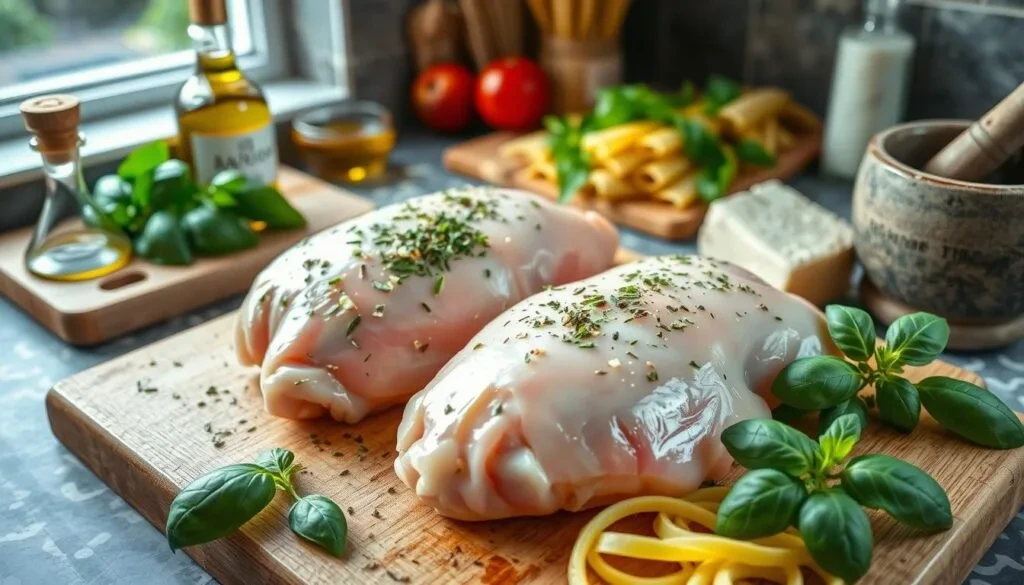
[(615, 386), (361, 316)]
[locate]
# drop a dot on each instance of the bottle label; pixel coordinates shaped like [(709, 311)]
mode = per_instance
[(253, 153)]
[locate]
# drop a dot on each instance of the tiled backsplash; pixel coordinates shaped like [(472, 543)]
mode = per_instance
[(970, 53)]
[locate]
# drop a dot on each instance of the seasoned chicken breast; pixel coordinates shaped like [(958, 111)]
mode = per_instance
[(615, 386), (361, 316)]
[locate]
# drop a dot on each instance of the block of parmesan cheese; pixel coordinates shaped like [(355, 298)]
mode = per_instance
[(783, 237)]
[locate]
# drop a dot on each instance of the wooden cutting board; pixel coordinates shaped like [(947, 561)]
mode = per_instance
[(479, 158), (140, 294), (148, 445)]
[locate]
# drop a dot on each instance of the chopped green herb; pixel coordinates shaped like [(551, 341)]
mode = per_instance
[(353, 325)]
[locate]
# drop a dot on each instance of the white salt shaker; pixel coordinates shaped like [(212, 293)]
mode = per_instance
[(869, 86)]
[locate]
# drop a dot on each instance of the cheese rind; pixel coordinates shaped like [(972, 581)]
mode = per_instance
[(784, 238)]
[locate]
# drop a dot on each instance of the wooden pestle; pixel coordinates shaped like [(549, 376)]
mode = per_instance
[(985, 144)]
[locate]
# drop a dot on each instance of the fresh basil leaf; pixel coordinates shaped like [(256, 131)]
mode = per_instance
[(112, 188), (573, 168), (852, 330), (918, 338), (787, 414), (718, 92), (815, 383), (172, 185), (898, 403), (613, 107), (144, 159), (220, 198), (761, 503), (319, 520), (214, 231), (217, 504), (971, 412), (762, 443), (555, 125), (853, 406), (266, 204), (277, 460), (837, 533), (162, 241), (700, 144), (839, 438), (753, 152), (230, 180), (906, 492)]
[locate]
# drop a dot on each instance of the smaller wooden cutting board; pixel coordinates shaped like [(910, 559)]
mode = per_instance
[(92, 311), (479, 158)]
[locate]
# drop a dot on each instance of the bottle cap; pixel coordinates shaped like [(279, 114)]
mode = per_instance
[(54, 120), (207, 11)]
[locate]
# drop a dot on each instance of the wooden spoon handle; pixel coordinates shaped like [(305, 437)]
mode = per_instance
[(986, 144)]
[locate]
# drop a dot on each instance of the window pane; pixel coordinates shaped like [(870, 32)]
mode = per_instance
[(46, 45)]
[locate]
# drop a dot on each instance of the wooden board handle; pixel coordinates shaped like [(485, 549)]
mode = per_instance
[(986, 144)]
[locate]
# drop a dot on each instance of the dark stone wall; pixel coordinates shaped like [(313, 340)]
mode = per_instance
[(970, 53)]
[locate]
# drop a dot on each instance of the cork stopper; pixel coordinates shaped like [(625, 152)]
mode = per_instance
[(54, 121), (208, 12)]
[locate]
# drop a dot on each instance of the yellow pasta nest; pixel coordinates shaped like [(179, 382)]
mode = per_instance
[(704, 559)]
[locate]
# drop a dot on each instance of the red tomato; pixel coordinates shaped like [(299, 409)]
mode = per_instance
[(512, 94), (443, 97)]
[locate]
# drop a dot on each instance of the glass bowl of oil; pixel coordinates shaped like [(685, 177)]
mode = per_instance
[(350, 141)]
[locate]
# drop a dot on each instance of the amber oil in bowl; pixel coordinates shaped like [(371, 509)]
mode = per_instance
[(350, 141)]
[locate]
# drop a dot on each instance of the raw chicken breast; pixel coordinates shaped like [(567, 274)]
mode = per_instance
[(361, 316), (615, 386)]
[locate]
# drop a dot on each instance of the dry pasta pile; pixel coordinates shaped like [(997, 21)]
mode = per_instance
[(703, 558), (645, 159)]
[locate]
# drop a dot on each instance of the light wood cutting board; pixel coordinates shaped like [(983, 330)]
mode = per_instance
[(140, 294), (479, 158), (148, 445)]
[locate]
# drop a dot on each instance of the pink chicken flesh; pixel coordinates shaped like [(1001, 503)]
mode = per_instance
[(361, 316), (615, 386)]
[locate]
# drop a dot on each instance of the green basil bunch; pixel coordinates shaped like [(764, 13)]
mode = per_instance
[(169, 218), (795, 481), (221, 501), (627, 103), (831, 384)]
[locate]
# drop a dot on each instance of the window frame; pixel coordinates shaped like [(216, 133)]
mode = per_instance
[(153, 81)]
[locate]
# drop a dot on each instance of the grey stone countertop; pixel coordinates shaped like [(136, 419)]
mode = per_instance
[(60, 524)]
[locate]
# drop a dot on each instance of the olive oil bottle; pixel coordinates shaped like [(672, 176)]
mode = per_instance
[(223, 118), (63, 247)]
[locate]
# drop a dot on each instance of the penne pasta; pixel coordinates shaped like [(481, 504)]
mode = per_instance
[(771, 136), (785, 138), (543, 170), (625, 162), (604, 185), (799, 118), (682, 193), (750, 110), (658, 174), (606, 143), (662, 142), (531, 147)]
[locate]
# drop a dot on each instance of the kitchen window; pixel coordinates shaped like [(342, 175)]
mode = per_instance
[(126, 58)]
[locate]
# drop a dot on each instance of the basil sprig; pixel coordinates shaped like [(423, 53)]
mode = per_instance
[(154, 199), (221, 501), (627, 103), (831, 384), (795, 481)]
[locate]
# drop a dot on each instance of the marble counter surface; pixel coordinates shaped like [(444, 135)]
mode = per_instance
[(60, 525)]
